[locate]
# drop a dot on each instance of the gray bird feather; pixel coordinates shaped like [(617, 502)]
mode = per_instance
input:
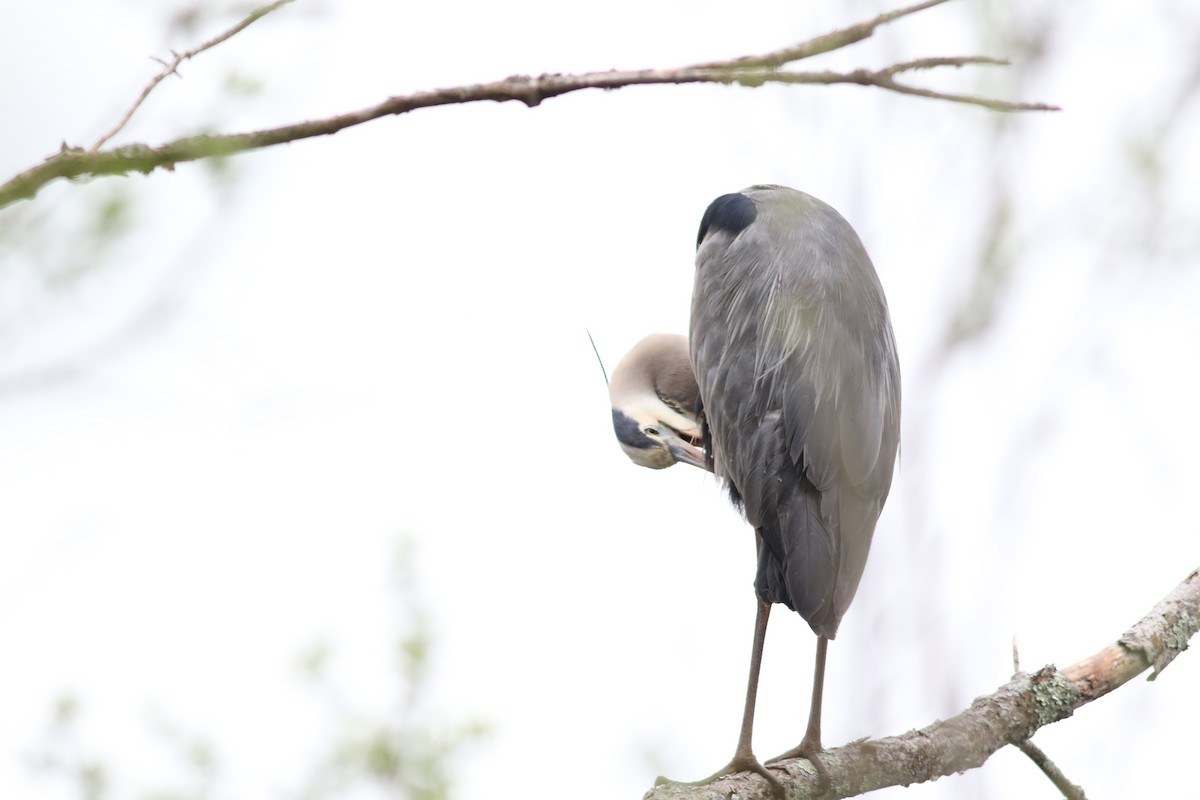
[(793, 350)]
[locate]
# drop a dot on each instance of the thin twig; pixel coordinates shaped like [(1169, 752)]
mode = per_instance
[(882, 78), (1070, 791), (825, 43), (952, 61), (171, 67)]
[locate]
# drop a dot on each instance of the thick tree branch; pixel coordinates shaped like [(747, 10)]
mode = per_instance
[(1009, 715), (73, 162)]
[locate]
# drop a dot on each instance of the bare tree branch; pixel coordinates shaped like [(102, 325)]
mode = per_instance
[(171, 67), (1009, 715), (72, 162)]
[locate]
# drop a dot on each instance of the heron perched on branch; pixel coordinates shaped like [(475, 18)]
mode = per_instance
[(791, 381)]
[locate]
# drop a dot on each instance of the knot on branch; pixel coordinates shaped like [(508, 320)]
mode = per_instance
[(525, 88), (137, 158)]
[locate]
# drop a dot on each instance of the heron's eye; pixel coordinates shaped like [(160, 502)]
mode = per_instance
[(650, 430)]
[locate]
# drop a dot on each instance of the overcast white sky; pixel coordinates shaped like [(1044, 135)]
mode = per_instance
[(215, 434)]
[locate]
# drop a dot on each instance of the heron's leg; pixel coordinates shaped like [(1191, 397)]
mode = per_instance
[(811, 743), (743, 758), (810, 746), (745, 752)]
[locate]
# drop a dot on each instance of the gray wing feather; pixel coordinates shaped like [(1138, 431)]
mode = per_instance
[(793, 351)]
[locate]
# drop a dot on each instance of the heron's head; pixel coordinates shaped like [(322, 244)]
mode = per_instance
[(654, 399)]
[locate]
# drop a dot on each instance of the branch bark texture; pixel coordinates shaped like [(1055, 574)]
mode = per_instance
[(1011, 714), (752, 71)]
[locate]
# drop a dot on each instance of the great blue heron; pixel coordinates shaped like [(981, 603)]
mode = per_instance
[(794, 360)]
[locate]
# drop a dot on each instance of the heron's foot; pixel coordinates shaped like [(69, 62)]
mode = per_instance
[(810, 749), (806, 749), (742, 762)]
